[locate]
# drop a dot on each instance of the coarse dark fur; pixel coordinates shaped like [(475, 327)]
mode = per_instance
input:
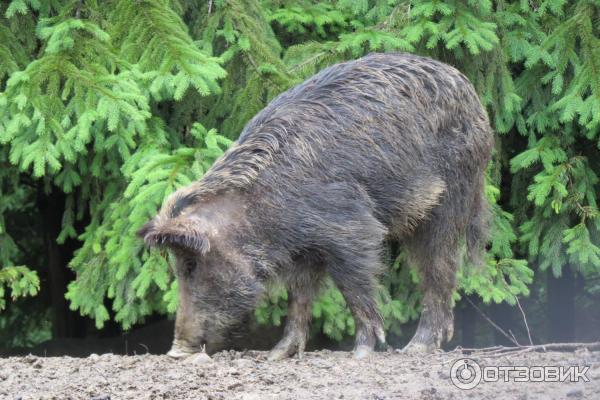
[(387, 146)]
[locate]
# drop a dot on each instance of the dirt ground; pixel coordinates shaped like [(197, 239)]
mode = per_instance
[(319, 375)]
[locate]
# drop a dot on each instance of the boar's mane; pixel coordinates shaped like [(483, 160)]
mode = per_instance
[(236, 169)]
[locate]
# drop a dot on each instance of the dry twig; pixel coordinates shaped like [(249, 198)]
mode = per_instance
[(512, 339)]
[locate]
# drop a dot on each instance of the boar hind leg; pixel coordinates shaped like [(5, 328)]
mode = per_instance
[(434, 251), (301, 291)]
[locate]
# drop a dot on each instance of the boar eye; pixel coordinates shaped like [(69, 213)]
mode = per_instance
[(189, 264)]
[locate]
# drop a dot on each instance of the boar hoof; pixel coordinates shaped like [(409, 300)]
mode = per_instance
[(178, 353), (278, 354), (287, 347), (424, 342), (418, 348), (362, 351), (429, 337)]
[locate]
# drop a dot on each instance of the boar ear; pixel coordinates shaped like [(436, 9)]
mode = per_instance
[(175, 234), (145, 229)]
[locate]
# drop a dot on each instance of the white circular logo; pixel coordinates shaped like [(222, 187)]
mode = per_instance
[(465, 373)]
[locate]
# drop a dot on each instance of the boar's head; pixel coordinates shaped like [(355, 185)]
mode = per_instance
[(217, 286)]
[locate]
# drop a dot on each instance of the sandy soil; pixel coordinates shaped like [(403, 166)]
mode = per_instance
[(319, 375)]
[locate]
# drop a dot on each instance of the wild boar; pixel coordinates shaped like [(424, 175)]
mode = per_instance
[(386, 147)]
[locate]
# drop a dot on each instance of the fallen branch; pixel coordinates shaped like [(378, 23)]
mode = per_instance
[(504, 350)]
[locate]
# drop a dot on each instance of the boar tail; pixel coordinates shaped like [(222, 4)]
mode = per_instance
[(478, 226)]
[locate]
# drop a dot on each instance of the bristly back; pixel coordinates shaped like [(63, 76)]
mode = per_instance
[(269, 134), (236, 169)]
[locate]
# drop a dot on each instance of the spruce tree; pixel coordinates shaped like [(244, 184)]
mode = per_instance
[(111, 106)]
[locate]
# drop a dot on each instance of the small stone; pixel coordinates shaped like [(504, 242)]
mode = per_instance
[(93, 357), (199, 358), (101, 397), (172, 375), (575, 393), (234, 385), (323, 364), (243, 363), (251, 396), (444, 374), (29, 359)]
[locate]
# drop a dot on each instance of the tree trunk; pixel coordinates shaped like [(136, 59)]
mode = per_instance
[(466, 323), (65, 323), (561, 306)]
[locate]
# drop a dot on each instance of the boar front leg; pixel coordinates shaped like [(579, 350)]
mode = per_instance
[(301, 291), (354, 265), (358, 291)]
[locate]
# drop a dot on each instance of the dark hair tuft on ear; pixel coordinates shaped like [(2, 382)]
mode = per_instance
[(145, 229), (174, 235)]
